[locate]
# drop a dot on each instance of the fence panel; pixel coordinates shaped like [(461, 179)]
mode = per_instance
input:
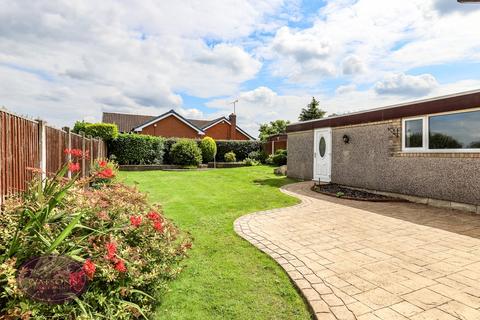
[(17, 131), (57, 142), (21, 151)]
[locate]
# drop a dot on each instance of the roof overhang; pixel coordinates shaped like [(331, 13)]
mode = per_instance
[(454, 102), (166, 115)]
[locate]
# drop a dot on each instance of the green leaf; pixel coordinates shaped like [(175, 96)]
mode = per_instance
[(134, 305), (65, 233), (143, 293)]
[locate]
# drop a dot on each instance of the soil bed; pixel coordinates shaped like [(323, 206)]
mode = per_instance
[(341, 192)]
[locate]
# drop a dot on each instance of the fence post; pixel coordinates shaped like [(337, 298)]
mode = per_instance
[(91, 153), (42, 141), (69, 147), (83, 154)]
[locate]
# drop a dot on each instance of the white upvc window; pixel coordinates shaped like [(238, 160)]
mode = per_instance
[(443, 132)]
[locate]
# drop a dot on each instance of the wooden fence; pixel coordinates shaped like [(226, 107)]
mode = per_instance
[(26, 144)]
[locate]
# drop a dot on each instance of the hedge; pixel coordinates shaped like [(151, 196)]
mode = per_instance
[(240, 148), (105, 131), (136, 149)]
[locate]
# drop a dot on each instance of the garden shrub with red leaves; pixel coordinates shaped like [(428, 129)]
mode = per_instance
[(128, 249)]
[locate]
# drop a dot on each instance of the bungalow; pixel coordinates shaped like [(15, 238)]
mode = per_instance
[(427, 149), (172, 124)]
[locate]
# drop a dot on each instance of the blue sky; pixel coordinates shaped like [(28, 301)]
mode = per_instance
[(64, 61)]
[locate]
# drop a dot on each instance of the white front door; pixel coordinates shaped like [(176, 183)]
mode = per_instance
[(322, 153)]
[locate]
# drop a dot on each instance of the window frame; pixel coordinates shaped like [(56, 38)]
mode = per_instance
[(426, 134)]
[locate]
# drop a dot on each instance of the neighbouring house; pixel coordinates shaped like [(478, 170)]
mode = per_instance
[(172, 124), (428, 149)]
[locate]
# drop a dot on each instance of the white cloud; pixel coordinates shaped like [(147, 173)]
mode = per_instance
[(262, 105), (345, 89), (125, 56), (352, 65), (368, 39), (406, 85), (449, 7)]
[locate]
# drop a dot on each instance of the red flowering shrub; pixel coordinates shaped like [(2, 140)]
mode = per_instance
[(129, 250), (103, 172)]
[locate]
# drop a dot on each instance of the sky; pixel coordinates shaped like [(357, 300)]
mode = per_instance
[(71, 60)]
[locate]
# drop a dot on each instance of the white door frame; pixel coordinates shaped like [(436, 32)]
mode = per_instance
[(328, 154)]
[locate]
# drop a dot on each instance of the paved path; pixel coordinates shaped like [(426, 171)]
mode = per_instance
[(363, 260)]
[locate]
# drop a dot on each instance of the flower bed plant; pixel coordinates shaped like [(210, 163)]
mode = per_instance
[(128, 249)]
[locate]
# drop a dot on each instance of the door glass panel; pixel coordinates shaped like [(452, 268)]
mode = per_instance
[(322, 146)]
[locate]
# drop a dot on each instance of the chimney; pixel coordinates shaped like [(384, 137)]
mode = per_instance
[(233, 127)]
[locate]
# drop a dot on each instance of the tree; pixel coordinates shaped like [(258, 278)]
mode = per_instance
[(311, 111), (274, 127), (80, 126)]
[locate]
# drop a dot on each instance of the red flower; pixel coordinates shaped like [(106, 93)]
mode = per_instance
[(106, 174), (102, 163), (74, 152), (120, 266), (111, 250), (89, 268), (74, 167), (135, 221), (152, 215), (157, 225)]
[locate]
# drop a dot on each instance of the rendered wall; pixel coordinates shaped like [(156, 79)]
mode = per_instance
[(300, 155), (373, 160)]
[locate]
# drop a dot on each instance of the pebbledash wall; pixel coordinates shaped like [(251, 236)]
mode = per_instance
[(373, 159)]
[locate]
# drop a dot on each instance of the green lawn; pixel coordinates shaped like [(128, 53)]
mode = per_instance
[(225, 277)]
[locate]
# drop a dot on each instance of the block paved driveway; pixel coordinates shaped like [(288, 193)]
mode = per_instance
[(364, 260)]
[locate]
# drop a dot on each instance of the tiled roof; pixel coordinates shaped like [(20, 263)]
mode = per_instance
[(125, 122)]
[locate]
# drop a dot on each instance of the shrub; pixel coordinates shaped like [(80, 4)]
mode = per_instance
[(209, 149), (251, 162), (130, 148), (80, 126), (105, 131), (230, 157), (240, 148), (167, 147), (128, 249), (280, 157), (186, 152), (260, 156), (103, 172)]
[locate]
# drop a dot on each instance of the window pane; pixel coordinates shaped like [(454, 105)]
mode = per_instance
[(414, 133), (455, 131)]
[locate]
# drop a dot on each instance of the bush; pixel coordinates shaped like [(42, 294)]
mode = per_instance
[(80, 126), (209, 149), (240, 148), (130, 148), (230, 157), (251, 162), (260, 156), (105, 131), (280, 157), (128, 249), (186, 152), (103, 172)]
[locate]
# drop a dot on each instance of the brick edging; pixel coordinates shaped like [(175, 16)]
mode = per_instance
[(310, 285)]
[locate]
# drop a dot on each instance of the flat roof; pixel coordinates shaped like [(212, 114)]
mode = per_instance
[(453, 102)]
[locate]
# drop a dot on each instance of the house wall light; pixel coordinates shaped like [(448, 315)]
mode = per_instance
[(346, 139)]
